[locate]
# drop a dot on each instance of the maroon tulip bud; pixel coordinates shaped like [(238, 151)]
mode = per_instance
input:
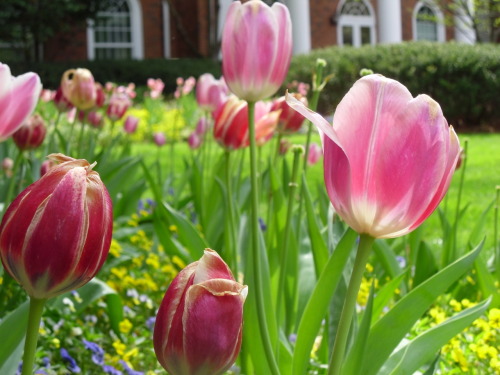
[(56, 234), (46, 166), (199, 324), (96, 119), (31, 134), (61, 102)]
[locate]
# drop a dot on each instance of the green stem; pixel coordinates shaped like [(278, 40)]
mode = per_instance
[(232, 233), (259, 297), (35, 315), (292, 186), (12, 182), (454, 254), (496, 245), (278, 143), (312, 105), (339, 347), (80, 137)]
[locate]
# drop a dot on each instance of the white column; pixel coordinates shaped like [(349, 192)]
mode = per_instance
[(301, 25), (464, 32), (389, 21)]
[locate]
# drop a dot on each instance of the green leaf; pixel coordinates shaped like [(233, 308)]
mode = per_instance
[(399, 320), (354, 359), (12, 332), (423, 348), (486, 281), (318, 244), (425, 265), (385, 294), (317, 306), (387, 258)]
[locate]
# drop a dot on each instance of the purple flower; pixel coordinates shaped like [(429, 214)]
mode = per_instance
[(72, 366), (97, 352), (263, 226), (111, 370), (150, 323), (128, 370)]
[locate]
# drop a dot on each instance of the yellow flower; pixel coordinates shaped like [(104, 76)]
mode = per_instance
[(369, 268), (178, 262), (153, 260), (134, 220), (1, 280), (495, 364), (130, 354), (457, 306), (125, 326), (119, 272), (494, 318), (458, 356), (55, 343), (172, 228), (119, 347), (115, 248)]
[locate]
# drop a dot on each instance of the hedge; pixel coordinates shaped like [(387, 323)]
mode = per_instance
[(464, 79), (123, 71)]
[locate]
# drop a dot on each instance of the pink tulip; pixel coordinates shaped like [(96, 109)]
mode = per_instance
[(79, 87), (46, 166), (256, 48), (18, 98), (194, 140), (61, 102), (56, 234), (7, 165), (210, 92), (201, 126), (47, 95), (388, 158), (231, 127), (156, 86), (198, 327), (314, 154), (118, 105), (159, 139), (130, 125), (95, 119), (290, 121), (31, 134)]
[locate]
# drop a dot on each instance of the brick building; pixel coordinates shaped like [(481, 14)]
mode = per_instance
[(142, 29)]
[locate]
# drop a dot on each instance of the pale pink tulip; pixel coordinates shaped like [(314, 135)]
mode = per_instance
[(210, 92), (118, 105), (156, 86), (256, 48), (388, 158), (201, 126), (194, 140), (18, 98), (314, 153), (159, 139)]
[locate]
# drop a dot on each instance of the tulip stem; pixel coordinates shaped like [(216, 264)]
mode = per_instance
[(292, 187), (12, 182), (259, 297), (339, 347), (231, 250), (35, 315)]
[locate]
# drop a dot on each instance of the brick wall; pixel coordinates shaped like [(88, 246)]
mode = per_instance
[(68, 46), (152, 20)]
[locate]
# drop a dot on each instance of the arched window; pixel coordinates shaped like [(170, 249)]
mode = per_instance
[(116, 33), (356, 23), (428, 23)]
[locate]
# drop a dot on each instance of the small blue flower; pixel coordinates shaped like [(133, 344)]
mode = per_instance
[(263, 226), (111, 370), (150, 323), (46, 362), (401, 260), (72, 366), (128, 370), (97, 352)]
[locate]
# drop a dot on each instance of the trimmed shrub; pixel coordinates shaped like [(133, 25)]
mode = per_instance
[(464, 79), (123, 71)]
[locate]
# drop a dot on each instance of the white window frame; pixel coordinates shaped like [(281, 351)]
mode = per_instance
[(441, 30), (136, 28), (356, 22)]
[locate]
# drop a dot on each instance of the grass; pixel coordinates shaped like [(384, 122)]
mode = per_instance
[(482, 175)]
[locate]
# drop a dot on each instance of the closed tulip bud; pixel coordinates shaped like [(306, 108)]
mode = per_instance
[(46, 166), (314, 154), (198, 327), (31, 134), (290, 120), (388, 158), (79, 87), (256, 48), (95, 119), (130, 124), (118, 105), (18, 98), (61, 102), (231, 126), (194, 140), (210, 92), (159, 139), (56, 234)]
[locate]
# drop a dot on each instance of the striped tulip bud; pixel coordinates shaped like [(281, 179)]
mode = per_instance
[(31, 134), (199, 324), (79, 87), (56, 234)]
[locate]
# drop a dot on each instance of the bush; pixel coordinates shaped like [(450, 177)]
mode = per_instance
[(464, 79), (123, 71)]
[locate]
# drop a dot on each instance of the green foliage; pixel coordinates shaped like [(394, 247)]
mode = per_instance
[(123, 71), (463, 79)]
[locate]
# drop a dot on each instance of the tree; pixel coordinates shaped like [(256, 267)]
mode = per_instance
[(27, 24)]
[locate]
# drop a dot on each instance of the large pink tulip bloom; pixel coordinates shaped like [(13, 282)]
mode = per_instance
[(18, 98), (388, 158), (210, 92), (256, 48)]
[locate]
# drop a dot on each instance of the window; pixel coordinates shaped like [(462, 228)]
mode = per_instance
[(116, 33), (428, 23), (356, 23)]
